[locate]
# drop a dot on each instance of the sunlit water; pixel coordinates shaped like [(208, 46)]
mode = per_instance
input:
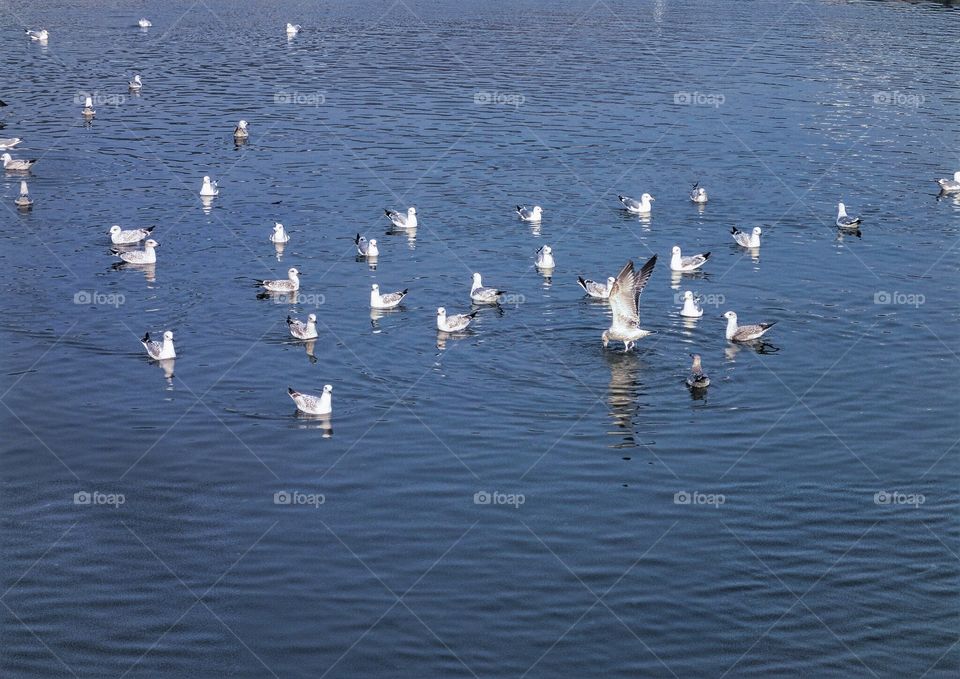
[(465, 110)]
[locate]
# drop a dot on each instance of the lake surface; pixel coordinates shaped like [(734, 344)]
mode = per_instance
[(516, 501)]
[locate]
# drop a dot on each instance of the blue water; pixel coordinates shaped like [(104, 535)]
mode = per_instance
[(821, 536)]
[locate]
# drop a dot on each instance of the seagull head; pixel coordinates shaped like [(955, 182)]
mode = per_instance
[(88, 102), (841, 208), (312, 318), (757, 231), (730, 316), (375, 288), (476, 279), (687, 294), (136, 78), (151, 244), (373, 241), (610, 281), (605, 337), (411, 210), (115, 229), (537, 210), (675, 250), (293, 272), (168, 336), (328, 389), (242, 124), (647, 197), (6, 158), (547, 250), (696, 362), (441, 312), (278, 227)]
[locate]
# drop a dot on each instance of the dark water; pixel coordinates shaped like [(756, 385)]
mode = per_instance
[(464, 110)]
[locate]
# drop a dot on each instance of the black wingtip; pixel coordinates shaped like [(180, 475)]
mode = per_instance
[(620, 198), (404, 291), (583, 283), (473, 313), (768, 325), (386, 212), (289, 321), (519, 207), (734, 229), (146, 337), (291, 391), (149, 229), (356, 240), (706, 256)]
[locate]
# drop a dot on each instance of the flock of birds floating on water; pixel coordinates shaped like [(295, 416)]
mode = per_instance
[(621, 291)]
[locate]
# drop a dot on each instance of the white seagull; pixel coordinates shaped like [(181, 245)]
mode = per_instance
[(136, 84), (697, 379), (9, 142), (403, 221), (946, 185), (291, 284), (680, 263), (144, 23), (530, 214), (640, 207), (146, 256), (16, 165), (240, 132), (698, 194), (744, 333), (209, 188), (279, 234), (597, 290), (40, 36), (625, 304), (844, 221), (293, 29), (747, 240), (388, 301), (120, 237), (159, 350), (545, 258), (691, 308), (453, 323), (313, 405), (23, 200), (366, 248), (482, 295), (88, 109), (301, 330)]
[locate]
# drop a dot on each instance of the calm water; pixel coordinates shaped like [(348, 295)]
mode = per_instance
[(465, 110)]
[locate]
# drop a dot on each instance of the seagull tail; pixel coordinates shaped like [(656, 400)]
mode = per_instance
[(386, 212), (146, 338), (767, 326), (149, 229), (734, 230), (472, 314), (289, 320), (583, 283), (404, 291), (356, 241), (706, 256), (292, 391)]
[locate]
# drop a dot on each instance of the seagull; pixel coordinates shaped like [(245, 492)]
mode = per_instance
[(597, 290), (946, 185), (545, 257), (313, 405), (453, 323), (698, 194), (697, 378), (301, 330), (293, 29), (403, 221), (23, 200), (625, 304), (120, 237), (747, 240), (9, 143), (292, 284), (640, 207), (744, 333), (279, 234), (530, 214), (845, 222), (482, 295), (88, 109), (387, 301), (209, 188), (680, 263), (16, 165), (159, 350), (146, 256), (136, 84), (144, 23), (39, 36), (241, 130), (691, 308), (366, 248)]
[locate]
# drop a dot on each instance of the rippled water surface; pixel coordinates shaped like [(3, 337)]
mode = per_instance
[(797, 519)]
